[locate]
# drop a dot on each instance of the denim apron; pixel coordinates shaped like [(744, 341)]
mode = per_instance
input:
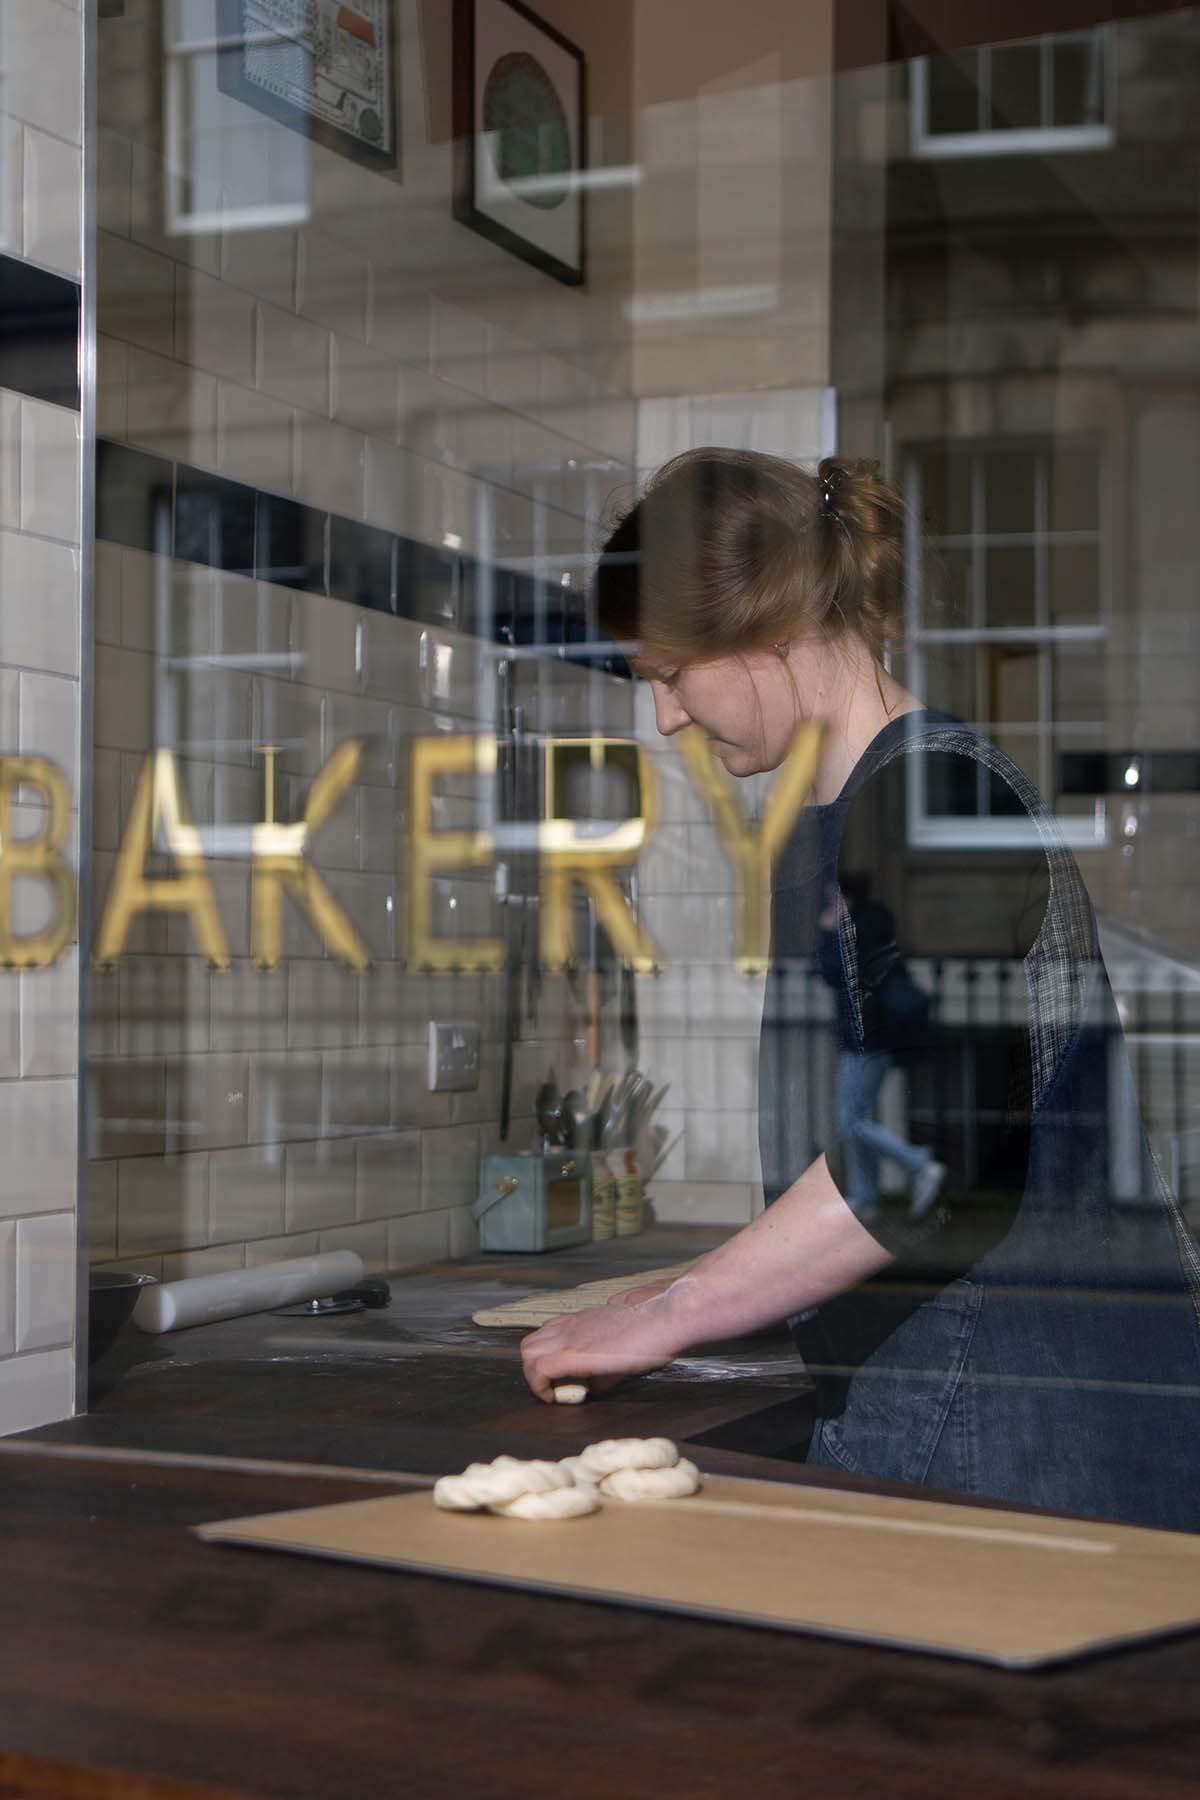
[(1062, 1369)]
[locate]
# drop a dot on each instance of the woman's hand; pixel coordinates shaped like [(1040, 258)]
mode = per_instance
[(650, 1290), (605, 1343)]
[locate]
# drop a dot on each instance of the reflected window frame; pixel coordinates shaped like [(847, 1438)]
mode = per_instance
[(984, 829), (998, 140)]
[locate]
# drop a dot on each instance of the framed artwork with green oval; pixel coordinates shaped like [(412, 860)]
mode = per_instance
[(520, 131)]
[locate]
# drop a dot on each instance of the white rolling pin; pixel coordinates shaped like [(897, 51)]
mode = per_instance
[(199, 1300)]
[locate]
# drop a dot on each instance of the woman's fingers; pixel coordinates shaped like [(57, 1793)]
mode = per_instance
[(537, 1352), (545, 1365), (600, 1346)]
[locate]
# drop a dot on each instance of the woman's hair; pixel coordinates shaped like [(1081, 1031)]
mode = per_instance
[(732, 550)]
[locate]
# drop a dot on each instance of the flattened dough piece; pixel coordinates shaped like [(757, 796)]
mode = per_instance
[(559, 1503), (570, 1393), (611, 1454), (675, 1483)]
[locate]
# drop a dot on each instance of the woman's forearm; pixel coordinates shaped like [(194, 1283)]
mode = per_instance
[(801, 1251)]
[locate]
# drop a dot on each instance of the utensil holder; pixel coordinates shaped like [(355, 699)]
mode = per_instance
[(604, 1195), (630, 1204), (532, 1201)]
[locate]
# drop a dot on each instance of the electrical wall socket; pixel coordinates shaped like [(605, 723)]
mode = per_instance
[(453, 1057)]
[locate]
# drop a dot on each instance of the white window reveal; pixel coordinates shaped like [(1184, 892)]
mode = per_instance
[(1043, 94)]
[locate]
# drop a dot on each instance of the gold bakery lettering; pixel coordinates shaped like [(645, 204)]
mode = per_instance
[(464, 753), (280, 865), (569, 855), (752, 853), (570, 852), (39, 858), (159, 818)]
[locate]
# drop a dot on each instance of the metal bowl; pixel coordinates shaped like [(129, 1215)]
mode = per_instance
[(112, 1296)]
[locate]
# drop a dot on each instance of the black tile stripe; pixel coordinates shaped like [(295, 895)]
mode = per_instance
[(151, 503), (1091, 772), (39, 333), (135, 497)]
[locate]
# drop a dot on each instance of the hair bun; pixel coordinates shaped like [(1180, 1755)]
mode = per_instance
[(720, 554)]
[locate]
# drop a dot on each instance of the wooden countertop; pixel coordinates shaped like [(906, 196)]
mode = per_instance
[(130, 1646)]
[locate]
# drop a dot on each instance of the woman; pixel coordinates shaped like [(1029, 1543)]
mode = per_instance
[(1055, 1360)]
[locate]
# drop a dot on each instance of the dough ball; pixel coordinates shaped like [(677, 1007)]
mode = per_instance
[(559, 1503), (570, 1393), (628, 1453), (675, 1483)]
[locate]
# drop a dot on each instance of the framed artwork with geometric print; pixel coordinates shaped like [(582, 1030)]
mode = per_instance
[(325, 68)]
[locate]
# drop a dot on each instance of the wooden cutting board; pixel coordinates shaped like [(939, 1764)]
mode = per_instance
[(1010, 1588)]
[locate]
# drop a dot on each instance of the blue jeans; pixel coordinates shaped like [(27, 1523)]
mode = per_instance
[(860, 1077)]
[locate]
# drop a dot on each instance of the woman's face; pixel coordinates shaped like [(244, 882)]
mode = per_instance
[(749, 704)]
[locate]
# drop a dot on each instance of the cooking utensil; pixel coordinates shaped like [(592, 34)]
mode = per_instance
[(112, 1296), (661, 1157), (577, 1116), (548, 1111), (364, 1295), (517, 810), (506, 809)]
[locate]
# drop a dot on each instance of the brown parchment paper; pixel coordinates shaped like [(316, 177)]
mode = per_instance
[(1000, 1587)]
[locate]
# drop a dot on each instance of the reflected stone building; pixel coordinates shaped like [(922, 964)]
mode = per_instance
[(1021, 346)]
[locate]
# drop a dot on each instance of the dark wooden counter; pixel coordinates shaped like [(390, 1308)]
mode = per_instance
[(130, 1646)]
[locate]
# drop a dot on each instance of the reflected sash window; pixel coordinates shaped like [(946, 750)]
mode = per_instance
[(1007, 625)]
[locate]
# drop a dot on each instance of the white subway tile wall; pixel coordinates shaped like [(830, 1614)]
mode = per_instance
[(46, 1271), (43, 51), (41, 185)]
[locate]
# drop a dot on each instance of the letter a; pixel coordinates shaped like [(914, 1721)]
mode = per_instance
[(158, 804)]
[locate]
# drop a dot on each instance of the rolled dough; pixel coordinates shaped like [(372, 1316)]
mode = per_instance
[(612, 1454), (675, 1483), (559, 1503)]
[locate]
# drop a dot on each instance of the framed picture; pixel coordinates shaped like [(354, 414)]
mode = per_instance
[(326, 68), (520, 129)]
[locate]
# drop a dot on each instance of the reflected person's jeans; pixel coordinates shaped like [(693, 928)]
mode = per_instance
[(860, 1077)]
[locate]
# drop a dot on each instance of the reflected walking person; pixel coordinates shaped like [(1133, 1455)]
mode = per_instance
[(899, 1023)]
